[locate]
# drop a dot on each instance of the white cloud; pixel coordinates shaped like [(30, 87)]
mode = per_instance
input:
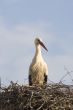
[(16, 51)]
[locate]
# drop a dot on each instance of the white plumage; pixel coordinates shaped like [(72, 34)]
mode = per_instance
[(38, 70)]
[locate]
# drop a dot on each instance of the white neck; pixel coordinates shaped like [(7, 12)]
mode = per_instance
[(38, 50), (38, 55)]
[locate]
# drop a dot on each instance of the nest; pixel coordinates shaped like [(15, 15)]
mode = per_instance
[(47, 97)]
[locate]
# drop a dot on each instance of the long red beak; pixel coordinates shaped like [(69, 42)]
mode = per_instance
[(41, 43)]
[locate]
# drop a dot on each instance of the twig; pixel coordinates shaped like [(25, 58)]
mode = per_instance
[(41, 106)]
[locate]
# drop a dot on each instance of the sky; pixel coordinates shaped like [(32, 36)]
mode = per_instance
[(21, 21)]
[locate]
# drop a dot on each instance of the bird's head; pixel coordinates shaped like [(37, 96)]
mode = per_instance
[(38, 41)]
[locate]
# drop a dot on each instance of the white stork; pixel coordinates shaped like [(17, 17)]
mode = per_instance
[(38, 70)]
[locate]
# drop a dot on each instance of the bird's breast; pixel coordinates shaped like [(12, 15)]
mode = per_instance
[(37, 73), (37, 67), (37, 70)]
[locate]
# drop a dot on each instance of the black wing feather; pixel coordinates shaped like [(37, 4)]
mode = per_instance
[(45, 78), (30, 80)]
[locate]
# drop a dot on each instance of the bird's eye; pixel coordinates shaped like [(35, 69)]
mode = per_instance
[(38, 40)]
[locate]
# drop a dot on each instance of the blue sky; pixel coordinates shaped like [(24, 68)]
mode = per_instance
[(23, 20)]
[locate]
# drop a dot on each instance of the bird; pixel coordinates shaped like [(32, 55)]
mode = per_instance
[(38, 70)]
